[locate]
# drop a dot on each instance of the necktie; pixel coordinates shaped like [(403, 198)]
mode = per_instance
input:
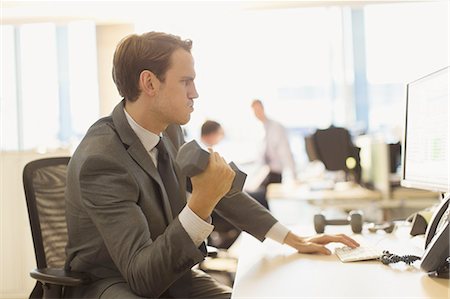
[(180, 288), (169, 178)]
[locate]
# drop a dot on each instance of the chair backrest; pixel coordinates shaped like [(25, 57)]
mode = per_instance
[(310, 147), (333, 146), (45, 183)]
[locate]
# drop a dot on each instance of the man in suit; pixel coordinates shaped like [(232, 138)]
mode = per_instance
[(277, 153), (130, 226)]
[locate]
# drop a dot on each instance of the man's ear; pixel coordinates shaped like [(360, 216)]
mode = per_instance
[(149, 83)]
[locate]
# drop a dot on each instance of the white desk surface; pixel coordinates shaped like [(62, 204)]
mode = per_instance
[(301, 191), (350, 196), (271, 270)]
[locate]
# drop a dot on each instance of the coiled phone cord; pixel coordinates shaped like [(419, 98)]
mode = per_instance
[(390, 258)]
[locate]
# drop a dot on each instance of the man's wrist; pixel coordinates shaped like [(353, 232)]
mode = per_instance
[(277, 232), (293, 240), (199, 208)]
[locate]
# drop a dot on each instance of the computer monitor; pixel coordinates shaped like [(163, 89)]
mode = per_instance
[(425, 153)]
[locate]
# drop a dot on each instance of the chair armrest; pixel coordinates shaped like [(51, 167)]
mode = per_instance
[(59, 277)]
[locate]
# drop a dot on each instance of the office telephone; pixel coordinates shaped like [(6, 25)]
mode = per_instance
[(435, 260)]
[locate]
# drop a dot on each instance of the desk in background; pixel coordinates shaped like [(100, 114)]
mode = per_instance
[(270, 270), (301, 191), (352, 196)]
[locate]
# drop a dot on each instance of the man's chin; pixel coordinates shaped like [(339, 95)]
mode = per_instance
[(184, 121)]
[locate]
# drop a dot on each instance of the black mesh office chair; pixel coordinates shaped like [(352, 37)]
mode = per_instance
[(333, 146), (44, 183)]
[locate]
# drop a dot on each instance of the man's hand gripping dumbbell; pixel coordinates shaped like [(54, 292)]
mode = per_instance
[(212, 178)]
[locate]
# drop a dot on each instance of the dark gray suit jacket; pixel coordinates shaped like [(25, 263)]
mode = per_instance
[(119, 219)]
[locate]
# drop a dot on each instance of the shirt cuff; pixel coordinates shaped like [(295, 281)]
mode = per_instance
[(197, 229), (277, 232)]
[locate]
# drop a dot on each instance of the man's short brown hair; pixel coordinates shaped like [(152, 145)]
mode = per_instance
[(149, 51), (209, 127)]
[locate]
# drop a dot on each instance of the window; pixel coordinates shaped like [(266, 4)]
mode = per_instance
[(48, 78), (404, 42), (291, 59)]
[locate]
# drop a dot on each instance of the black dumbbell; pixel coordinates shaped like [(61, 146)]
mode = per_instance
[(355, 219), (193, 160)]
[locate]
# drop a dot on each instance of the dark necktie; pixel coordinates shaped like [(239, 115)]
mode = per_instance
[(169, 179), (181, 287)]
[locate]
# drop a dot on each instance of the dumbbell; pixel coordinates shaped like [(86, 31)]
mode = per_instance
[(388, 227), (355, 219), (193, 160)]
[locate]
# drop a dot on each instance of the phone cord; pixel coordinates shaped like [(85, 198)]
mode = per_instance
[(390, 258)]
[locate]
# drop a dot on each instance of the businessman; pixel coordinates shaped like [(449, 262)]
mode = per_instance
[(277, 153), (130, 226)]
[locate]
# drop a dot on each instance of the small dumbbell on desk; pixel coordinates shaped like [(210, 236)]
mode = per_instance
[(193, 160), (355, 219)]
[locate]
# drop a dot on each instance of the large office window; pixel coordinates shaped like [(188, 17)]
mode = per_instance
[(291, 59), (38, 81), (9, 132), (49, 78), (403, 42)]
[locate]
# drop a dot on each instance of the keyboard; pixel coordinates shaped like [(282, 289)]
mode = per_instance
[(362, 253)]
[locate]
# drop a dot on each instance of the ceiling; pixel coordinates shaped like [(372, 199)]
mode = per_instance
[(113, 12)]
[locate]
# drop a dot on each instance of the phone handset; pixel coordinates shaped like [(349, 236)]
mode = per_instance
[(437, 241)]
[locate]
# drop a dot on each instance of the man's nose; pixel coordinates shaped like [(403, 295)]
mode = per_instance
[(193, 93)]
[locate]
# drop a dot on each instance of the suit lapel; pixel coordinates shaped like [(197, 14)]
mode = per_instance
[(139, 154)]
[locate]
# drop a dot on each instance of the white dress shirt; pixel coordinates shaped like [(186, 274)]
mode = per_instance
[(197, 229), (277, 154)]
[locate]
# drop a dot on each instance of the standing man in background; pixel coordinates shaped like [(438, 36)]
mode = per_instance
[(277, 152), (130, 226)]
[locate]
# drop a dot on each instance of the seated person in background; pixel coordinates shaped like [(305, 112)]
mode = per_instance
[(130, 226), (211, 133), (224, 233)]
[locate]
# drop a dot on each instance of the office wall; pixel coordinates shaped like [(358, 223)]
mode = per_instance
[(107, 38)]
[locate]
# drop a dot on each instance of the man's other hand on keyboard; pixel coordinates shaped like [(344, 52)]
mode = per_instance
[(316, 244)]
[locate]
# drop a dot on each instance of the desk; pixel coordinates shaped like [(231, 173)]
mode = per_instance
[(270, 270), (303, 192), (352, 196)]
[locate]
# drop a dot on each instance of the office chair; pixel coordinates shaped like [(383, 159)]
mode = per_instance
[(333, 146), (310, 148), (395, 151), (224, 233), (44, 182)]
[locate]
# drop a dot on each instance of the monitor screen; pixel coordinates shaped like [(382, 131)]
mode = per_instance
[(426, 141)]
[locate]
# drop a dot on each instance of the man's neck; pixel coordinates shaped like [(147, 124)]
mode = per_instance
[(144, 117)]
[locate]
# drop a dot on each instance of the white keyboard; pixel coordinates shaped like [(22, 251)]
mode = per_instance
[(362, 253)]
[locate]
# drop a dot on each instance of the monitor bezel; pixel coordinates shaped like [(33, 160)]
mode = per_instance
[(408, 182)]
